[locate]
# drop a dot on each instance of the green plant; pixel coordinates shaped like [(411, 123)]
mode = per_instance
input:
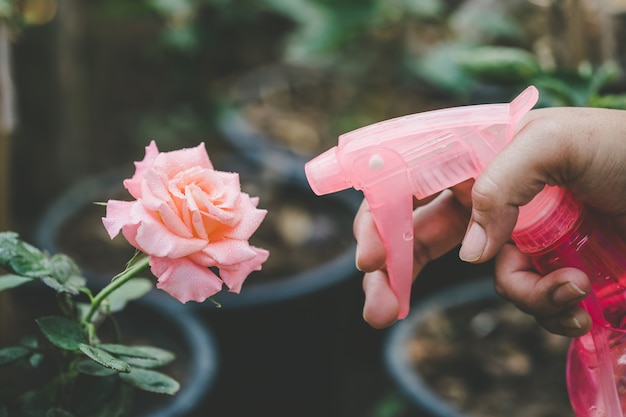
[(190, 224), (70, 339), (515, 68)]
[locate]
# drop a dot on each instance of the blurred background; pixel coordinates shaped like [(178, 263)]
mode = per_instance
[(267, 85)]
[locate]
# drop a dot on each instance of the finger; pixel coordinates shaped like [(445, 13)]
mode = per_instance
[(438, 228), (517, 281), (381, 305), (573, 322), (370, 252)]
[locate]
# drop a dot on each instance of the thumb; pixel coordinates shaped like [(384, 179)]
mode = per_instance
[(511, 179)]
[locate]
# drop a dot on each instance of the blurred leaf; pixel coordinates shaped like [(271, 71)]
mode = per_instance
[(608, 73), (181, 38), (559, 91), (495, 64), (131, 290), (151, 381), (485, 25), (6, 9), (11, 281), (609, 101), (104, 358), (172, 7), (57, 412), (35, 359), (130, 351), (62, 267), (439, 67), (12, 353), (65, 276), (93, 368), (34, 403), (20, 257), (141, 356), (424, 8), (62, 332)]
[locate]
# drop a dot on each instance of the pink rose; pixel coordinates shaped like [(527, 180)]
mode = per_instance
[(191, 220)]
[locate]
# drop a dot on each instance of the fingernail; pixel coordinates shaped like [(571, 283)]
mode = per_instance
[(356, 260), (570, 322), (566, 293), (473, 244)]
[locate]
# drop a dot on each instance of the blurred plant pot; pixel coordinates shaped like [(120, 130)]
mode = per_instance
[(285, 115), (309, 237), (155, 319), (464, 352)]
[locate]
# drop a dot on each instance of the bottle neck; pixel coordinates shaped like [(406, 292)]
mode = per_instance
[(546, 219)]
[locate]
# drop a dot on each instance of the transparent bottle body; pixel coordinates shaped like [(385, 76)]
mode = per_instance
[(595, 248)]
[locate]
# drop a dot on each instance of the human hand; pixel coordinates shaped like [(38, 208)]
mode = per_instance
[(581, 149)]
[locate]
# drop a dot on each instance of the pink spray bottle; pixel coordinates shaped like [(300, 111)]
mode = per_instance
[(422, 154)]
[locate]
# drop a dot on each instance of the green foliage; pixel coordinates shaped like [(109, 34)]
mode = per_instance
[(149, 380), (26, 261), (62, 332), (70, 340), (103, 358), (516, 68)]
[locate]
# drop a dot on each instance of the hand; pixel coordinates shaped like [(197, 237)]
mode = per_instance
[(578, 148)]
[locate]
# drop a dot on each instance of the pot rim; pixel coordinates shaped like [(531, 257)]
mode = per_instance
[(401, 370)]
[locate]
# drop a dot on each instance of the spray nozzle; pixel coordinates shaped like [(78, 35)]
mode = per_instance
[(416, 155)]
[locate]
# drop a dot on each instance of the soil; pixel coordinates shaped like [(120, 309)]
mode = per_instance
[(490, 360)]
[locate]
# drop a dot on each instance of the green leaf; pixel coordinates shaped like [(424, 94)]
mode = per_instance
[(609, 101), (12, 353), (62, 332), (94, 369), (131, 290), (35, 359), (57, 412), (438, 67), (499, 64), (9, 281), (20, 257), (151, 381), (104, 358), (141, 356)]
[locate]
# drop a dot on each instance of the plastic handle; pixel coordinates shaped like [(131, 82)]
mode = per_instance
[(416, 155)]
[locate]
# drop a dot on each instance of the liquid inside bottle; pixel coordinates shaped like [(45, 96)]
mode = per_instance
[(596, 368)]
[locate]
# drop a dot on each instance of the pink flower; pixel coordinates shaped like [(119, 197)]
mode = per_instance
[(191, 220)]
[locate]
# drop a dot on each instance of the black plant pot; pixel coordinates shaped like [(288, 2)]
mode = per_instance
[(283, 115), (156, 320), (464, 352)]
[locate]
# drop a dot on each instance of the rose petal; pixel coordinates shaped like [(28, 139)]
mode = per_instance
[(154, 189), (117, 216), (250, 221), (229, 252), (133, 185), (176, 161), (235, 276), (185, 280), (156, 239)]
